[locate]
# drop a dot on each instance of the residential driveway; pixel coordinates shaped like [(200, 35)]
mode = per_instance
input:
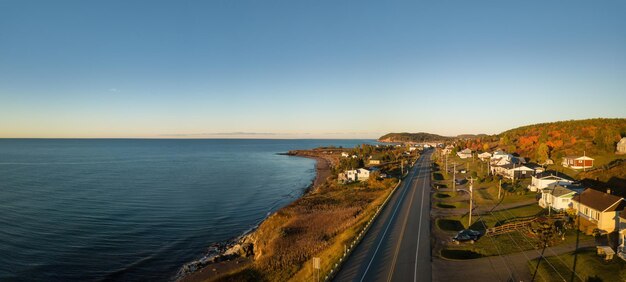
[(513, 267)]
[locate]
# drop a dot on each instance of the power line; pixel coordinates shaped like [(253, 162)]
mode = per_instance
[(566, 266)]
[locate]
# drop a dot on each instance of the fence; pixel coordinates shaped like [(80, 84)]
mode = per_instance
[(509, 227)]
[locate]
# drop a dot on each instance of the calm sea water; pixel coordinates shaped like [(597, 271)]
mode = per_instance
[(136, 209)]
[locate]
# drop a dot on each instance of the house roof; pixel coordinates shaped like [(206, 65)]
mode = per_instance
[(579, 158), (520, 168), (559, 191), (552, 177), (466, 151), (622, 141), (600, 201)]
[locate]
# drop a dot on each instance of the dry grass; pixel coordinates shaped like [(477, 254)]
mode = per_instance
[(318, 224)]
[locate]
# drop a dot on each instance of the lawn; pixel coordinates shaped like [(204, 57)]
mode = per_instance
[(589, 267)]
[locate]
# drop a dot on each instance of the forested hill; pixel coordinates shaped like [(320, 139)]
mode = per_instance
[(557, 139), (412, 137)]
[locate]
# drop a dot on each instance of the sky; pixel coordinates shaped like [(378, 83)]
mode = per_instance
[(305, 69)]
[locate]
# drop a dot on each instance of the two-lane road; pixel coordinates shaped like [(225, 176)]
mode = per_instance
[(397, 246)]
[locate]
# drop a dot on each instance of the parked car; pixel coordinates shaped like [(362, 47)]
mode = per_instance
[(467, 235)]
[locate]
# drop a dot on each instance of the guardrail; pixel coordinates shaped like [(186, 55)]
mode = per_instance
[(335, 268)]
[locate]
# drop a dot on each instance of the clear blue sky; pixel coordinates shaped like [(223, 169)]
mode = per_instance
[(298, 69)]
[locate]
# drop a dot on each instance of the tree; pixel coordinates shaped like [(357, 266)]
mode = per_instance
[(543, 152), (485, 147)]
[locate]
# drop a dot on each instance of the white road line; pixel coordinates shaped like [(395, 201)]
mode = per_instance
[(419, 231), (398, 204)]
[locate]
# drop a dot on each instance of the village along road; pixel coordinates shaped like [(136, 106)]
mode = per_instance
[(397, 246)]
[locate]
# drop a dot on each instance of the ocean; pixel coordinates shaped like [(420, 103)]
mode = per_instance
[(136, 209)]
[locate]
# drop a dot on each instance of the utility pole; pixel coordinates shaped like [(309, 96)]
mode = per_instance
[(454, 178), (499, 189), (446, 164), (471, 189)]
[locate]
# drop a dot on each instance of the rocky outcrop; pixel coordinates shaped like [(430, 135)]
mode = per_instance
[(219, 252)]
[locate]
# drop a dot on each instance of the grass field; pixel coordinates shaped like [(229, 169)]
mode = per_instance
[(589, 267)]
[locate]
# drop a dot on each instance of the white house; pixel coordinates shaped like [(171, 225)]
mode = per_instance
[(354, 175), (501, 155), (577, 162), (345, 154), (621, 146), (539, 183), (484, 156), (557, 197), (465, 154), (447, 150)]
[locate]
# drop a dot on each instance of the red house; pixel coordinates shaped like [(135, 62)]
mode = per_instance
[(577, 162)]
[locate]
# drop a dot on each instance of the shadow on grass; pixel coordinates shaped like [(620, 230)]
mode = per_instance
[(460, 254), (437, 176), (449, 225), (479, 225), (445, 206)]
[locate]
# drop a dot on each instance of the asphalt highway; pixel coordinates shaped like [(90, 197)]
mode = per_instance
[(397, 246)]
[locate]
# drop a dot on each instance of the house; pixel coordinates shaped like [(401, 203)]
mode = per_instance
[(500, 154), (510, 170), (557, 197), (502, 158), (447, 150), (521, 172), (621, 146), (621, 249), (484, 156), (465, 154), (577, 162), (599, 209), (354, 175), (345, 154), (538, 183)]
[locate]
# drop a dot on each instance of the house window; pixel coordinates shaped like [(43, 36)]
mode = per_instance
[(586, 211), (598, 216)]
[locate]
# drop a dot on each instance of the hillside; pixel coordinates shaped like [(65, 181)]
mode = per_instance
[(595, 137), (412, 137)]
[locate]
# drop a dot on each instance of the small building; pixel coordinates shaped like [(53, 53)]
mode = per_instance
[(465, 154), (345, 154), (599, 209), (519, 172), (558, 198), (484, 156), (374, 162), (539, 183), (621, 249), (577, 162), (447, 150), (354, 175), (621, 146)]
